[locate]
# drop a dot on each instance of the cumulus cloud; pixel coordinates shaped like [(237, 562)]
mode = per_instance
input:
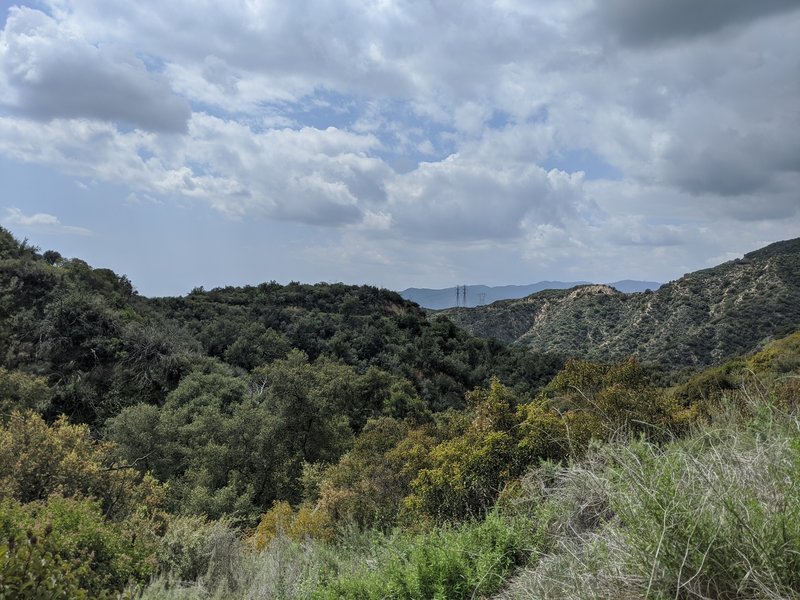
[(429, 52), (48, 71), (41, 222), (308, 175), (323, 177), (634, 230)]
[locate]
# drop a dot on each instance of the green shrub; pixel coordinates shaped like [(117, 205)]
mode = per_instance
[(447, 563), (465, 478), (368, 483), (621, 399), (38, 460), (82, 553), (32, 568), (20, 391), (283, 520)]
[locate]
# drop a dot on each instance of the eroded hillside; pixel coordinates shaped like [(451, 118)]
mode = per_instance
[(698, 319)]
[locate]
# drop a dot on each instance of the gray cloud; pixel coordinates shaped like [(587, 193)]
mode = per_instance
[(760, 207), (641, 23), (464, 198), (705, 169), (50, 73), (283, 51)]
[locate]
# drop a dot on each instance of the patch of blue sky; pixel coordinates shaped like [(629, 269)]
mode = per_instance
[(499, 120), (540, 115), (5, 5), (154, 64), (145, 154), (254, 122), (75, 201), (125, 126), (321, 110), (198, 168), (582, 159), (406, 137), (409, 138)]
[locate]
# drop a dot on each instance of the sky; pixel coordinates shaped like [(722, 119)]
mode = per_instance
[(399, 143)]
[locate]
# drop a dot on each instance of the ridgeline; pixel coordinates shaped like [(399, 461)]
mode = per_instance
[(697, 320)]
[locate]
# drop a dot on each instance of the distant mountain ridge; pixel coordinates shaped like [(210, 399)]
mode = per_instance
[(478, 295), (697, 320)]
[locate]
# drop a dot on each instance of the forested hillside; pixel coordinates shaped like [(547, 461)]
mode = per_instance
[(330, 441), (295, 370), (696, 320), (102, 347)]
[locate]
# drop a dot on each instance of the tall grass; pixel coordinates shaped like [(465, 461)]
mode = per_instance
[(286, 569), (715, 515), (473, 560)]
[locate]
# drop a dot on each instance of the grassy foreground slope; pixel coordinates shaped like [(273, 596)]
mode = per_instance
[(713, 513), (697, 320)]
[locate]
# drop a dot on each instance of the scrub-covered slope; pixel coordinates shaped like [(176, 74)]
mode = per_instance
[(698, 319)]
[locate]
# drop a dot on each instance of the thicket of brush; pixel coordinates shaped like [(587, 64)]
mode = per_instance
[(714, 513)]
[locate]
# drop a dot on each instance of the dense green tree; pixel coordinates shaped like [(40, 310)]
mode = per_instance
[(208, 440), (21, 391), (230, 445), (361, 327), (255, 346)]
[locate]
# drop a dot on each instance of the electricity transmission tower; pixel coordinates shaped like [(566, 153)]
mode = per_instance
[(461, 295)]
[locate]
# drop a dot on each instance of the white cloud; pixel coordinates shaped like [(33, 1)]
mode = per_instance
[(309, 175), (550, 68), (41, 222), (49, 71)]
